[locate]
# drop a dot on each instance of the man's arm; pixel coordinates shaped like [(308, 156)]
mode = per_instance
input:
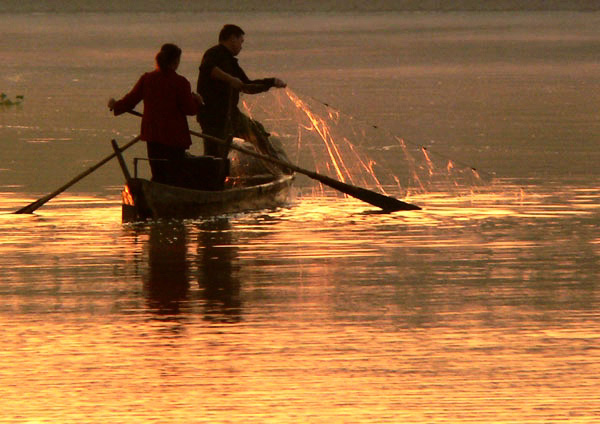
[(260, 86), (249, 87), (221, 75)]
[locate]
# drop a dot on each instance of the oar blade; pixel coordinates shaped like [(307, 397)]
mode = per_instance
[(386, 203), (32, 207)]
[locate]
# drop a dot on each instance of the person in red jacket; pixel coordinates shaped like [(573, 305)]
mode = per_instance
[(168, 99)]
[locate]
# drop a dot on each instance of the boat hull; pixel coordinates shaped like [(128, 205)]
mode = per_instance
[(144, 199)]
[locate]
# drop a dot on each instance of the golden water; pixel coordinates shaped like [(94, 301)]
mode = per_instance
[(474, 310), (481, 308)]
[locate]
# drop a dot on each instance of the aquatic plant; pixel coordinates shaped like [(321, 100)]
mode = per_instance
[(6, 101)]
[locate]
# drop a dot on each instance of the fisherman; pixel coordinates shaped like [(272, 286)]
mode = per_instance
[(168, 99), (220, 81)]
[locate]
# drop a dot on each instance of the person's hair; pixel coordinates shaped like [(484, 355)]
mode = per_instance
[(228, 30), (167, 56)]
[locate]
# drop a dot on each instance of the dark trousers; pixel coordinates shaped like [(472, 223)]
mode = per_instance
[(247, 129), (241, 127), (165, 162)]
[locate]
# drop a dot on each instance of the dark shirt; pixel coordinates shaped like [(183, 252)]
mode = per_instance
[(167, 100), (218, 94)]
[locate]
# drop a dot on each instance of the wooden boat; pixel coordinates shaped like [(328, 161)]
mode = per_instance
[(144, 199), (252, 191)]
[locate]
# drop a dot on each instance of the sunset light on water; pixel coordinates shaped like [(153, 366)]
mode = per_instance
[(289, 313), (480, 308)]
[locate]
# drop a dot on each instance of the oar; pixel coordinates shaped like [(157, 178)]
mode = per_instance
[(38, 203), (387, 203)]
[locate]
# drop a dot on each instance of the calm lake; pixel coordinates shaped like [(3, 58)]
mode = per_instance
[(482, 307)]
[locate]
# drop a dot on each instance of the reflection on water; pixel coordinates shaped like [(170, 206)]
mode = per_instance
[(167, 283), (179, 255), (477, 309), (218, 271)]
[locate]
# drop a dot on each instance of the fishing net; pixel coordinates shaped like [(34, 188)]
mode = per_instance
[(327, 141)]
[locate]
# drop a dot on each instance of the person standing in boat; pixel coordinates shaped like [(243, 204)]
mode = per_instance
[(168, 99), (220, 81)]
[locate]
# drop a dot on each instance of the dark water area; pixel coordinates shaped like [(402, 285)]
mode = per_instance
[(482, 307)]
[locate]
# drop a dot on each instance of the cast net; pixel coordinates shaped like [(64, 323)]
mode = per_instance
[(322, 139)]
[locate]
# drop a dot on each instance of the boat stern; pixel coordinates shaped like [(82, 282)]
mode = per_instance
[(133, 204), (128, 209)]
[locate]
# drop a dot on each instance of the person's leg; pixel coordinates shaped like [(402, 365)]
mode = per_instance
[(164, 162), (213, 148), (217, 150), (157, 162)]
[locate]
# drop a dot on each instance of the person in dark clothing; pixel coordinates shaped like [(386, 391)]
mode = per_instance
[(168, 99), (220, 81)]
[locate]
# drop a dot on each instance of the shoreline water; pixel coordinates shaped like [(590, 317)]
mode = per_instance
[(293, 6)]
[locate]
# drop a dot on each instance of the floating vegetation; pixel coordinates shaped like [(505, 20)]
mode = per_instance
[(6, 101)]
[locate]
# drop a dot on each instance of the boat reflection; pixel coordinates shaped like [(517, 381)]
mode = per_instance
[(218, 271), (180, 253), (166, 284)]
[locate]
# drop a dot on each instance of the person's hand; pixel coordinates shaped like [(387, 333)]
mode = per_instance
[(279, 83), (198, 98), (111, 103)]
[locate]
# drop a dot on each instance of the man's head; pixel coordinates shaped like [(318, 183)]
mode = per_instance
[(232, 37)]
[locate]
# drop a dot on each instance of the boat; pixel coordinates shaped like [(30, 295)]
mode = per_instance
[(247, 188)]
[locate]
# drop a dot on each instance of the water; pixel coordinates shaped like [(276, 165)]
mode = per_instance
[(483, 307)]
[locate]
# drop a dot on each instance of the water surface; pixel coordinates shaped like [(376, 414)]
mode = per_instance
[(483, 307)]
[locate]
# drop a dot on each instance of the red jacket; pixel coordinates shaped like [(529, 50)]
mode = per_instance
[(167, 100)]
